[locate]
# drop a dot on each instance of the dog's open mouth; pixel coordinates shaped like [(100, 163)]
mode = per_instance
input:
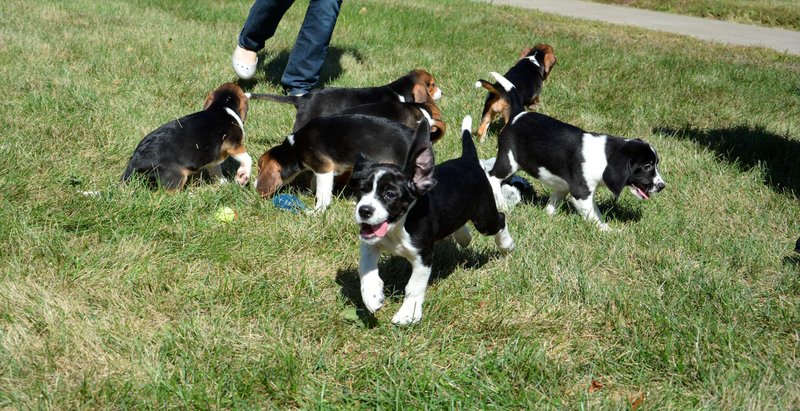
[(369, 231), (640, 192)]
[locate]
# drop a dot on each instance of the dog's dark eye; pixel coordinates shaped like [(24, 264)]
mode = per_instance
[(390, 195), (647, 167)]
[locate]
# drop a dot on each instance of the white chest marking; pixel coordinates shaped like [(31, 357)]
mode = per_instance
[(427, 115), (398, 241), (594, 159), (512, 161)]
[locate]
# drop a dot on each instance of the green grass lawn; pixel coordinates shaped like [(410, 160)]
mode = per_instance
[(774, 13), (135, 299)]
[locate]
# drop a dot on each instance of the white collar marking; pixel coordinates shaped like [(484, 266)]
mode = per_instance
[(235, 117), (533, 59)]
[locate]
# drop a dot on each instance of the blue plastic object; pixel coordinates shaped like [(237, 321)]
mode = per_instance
[(288, 202)]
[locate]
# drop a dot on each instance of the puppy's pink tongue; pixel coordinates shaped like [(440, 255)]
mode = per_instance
[(381, 229), (642, 193), (377, 230)]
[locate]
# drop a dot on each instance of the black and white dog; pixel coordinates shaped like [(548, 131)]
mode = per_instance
[(405, 210), (568, 159)]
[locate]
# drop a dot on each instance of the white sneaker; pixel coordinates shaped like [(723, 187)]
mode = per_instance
[(244, 63)]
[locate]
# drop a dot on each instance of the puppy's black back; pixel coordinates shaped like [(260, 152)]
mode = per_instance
[(538, 140), (408, 114), (527, 78), (342, 136), (186, 143), (462, 194)]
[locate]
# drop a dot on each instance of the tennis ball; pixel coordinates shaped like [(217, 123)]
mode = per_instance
[(226, 214)]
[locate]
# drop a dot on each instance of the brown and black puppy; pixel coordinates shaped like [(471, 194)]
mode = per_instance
[(407, 114), (527, 76), (418, 86), (328, 146), (169, 155)]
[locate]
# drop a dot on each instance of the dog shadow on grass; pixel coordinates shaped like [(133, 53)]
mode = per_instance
[(395, 272), (274, 64), (747, 147)]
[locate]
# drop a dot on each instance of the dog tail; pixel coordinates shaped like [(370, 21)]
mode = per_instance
[(506, 92), (293, 100), (468, 149)]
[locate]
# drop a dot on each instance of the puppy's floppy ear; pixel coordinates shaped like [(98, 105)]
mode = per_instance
[(420, 93), (420, 163), (360, 166), (548, 59), (524, 53), (618, 171), (209, 99)]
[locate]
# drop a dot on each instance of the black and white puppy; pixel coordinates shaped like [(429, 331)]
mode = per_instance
[(405, 210), (180, 148), (570, 160)]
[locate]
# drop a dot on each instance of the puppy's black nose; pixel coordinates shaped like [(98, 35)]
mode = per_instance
[(365, 211), (660, 186)]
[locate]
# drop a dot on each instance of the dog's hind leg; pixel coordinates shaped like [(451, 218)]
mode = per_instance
[(556, 197), (489, 221), (172, 179), (215, 172)]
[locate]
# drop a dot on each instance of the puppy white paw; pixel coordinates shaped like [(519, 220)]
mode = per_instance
[(372, 295), (409, 313), (242, 175), (550, 209), (605, 227), (502, 204)]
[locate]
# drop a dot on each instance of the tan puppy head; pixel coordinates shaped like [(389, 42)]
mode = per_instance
[(229, 95), (425, 88)]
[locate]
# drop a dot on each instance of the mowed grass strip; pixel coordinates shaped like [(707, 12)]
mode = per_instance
[(139, 299), (774, 13)]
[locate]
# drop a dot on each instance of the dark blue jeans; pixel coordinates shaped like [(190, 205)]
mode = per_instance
[(306, 59)]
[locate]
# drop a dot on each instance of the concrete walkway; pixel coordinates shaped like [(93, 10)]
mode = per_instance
[(787, 41)]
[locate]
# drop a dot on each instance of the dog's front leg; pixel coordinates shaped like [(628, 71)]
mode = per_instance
[(411, 310), (371, 283), (324, 182), (245, 165), (588, 209)]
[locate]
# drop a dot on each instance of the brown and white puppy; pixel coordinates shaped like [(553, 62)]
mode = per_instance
[(169, 155), (407, 114), (418, 86), (527, 76), (328, 146)]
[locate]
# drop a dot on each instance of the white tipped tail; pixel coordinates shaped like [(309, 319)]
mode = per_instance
[(466, 124), (478, 84), (502, 80), (248, 95)]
